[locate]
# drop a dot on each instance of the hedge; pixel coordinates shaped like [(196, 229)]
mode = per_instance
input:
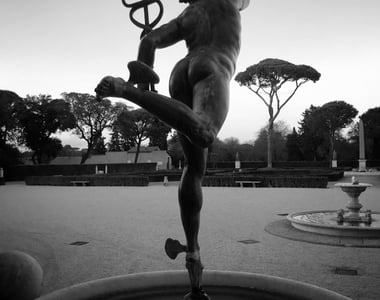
[(94, 180), (20, 172), (292, 164), (268, 181), (331, 174), (276, 164)]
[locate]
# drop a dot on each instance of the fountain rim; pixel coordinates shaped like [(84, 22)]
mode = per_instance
[(291, 216), (350, 184), (123, 284)]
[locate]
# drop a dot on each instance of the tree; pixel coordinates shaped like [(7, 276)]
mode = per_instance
[(371, 121), (9, 155), (9, 128), (134, 126), (246, 152), (312, 135), (68, 150), (321, 128), (92, 118), (280, 131), (158, 134), (40, 117), (117, 142), (222, 151), (175, 149), (100, 147), (293, 146), (328, 120), (266, 78), (219, 151), (226, 150), (9, 102), (336, 116)]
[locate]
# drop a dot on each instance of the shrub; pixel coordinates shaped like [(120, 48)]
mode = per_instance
[(268, 181), (20, 172)]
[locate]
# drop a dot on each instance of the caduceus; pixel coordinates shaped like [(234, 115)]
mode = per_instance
[(138, 71), (148, 25)]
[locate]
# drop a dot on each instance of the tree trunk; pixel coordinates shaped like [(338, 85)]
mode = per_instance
[(137, 151), (332, 142), (90, 146), (270, 144), (85, 156), (34, 158)]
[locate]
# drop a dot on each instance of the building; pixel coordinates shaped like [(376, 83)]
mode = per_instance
[(146, 155)]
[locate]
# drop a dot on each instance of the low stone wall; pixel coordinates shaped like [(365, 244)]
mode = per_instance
[(93, 180), (268, 181), (159, 176), (22, 171)]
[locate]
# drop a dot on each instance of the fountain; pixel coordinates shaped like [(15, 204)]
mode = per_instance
[(352, 222)]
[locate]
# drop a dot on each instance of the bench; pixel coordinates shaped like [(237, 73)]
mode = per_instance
[(242, 182), (80, 182)]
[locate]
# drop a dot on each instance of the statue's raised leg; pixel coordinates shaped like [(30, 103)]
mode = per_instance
[(199, 123)]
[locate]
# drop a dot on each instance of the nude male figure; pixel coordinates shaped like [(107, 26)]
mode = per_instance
[(199, 89)]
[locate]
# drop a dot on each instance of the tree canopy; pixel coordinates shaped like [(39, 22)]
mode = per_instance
[(92, 117), (371, 121), (134, 126), (272, 72), (9, 101), (321, 126), (40, 117)]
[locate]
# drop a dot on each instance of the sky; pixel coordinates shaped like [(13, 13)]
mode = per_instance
[(51, 47)]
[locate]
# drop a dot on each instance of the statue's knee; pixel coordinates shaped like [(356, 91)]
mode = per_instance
[(205, 138)]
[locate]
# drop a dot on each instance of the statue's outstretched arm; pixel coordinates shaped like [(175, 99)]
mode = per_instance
[(162, 37)]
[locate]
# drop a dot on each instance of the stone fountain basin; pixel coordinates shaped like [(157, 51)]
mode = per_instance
[(300, 221), (173, 285), (356, 189)]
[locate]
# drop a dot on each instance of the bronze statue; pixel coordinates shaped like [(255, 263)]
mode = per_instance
[(199, 89)]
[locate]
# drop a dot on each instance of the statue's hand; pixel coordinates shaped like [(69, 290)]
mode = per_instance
[(144, 86), (110, 87)]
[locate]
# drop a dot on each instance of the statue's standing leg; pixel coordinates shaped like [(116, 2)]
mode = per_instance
[(190, 201)]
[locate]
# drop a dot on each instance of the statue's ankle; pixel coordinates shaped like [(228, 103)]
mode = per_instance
[(193, 256)]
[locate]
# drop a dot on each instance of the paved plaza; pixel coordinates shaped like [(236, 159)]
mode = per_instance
[(85, 233)]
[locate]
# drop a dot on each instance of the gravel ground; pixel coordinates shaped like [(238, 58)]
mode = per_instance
[(121, 230)]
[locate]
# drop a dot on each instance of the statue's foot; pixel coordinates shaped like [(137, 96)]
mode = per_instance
[(111, 87), (198, 294), (173, 248), (140, 73)]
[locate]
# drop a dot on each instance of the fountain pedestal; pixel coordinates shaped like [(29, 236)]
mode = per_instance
[(353, 190)]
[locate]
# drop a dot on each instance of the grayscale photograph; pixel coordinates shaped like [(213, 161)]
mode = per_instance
[(189, 150)]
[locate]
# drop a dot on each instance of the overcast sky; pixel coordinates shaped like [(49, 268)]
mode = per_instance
[(51, 47)]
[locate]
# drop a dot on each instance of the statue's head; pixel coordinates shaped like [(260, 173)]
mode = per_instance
[(240, 4)]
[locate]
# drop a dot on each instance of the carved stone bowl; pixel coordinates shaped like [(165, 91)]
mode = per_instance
[(173, 285)]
